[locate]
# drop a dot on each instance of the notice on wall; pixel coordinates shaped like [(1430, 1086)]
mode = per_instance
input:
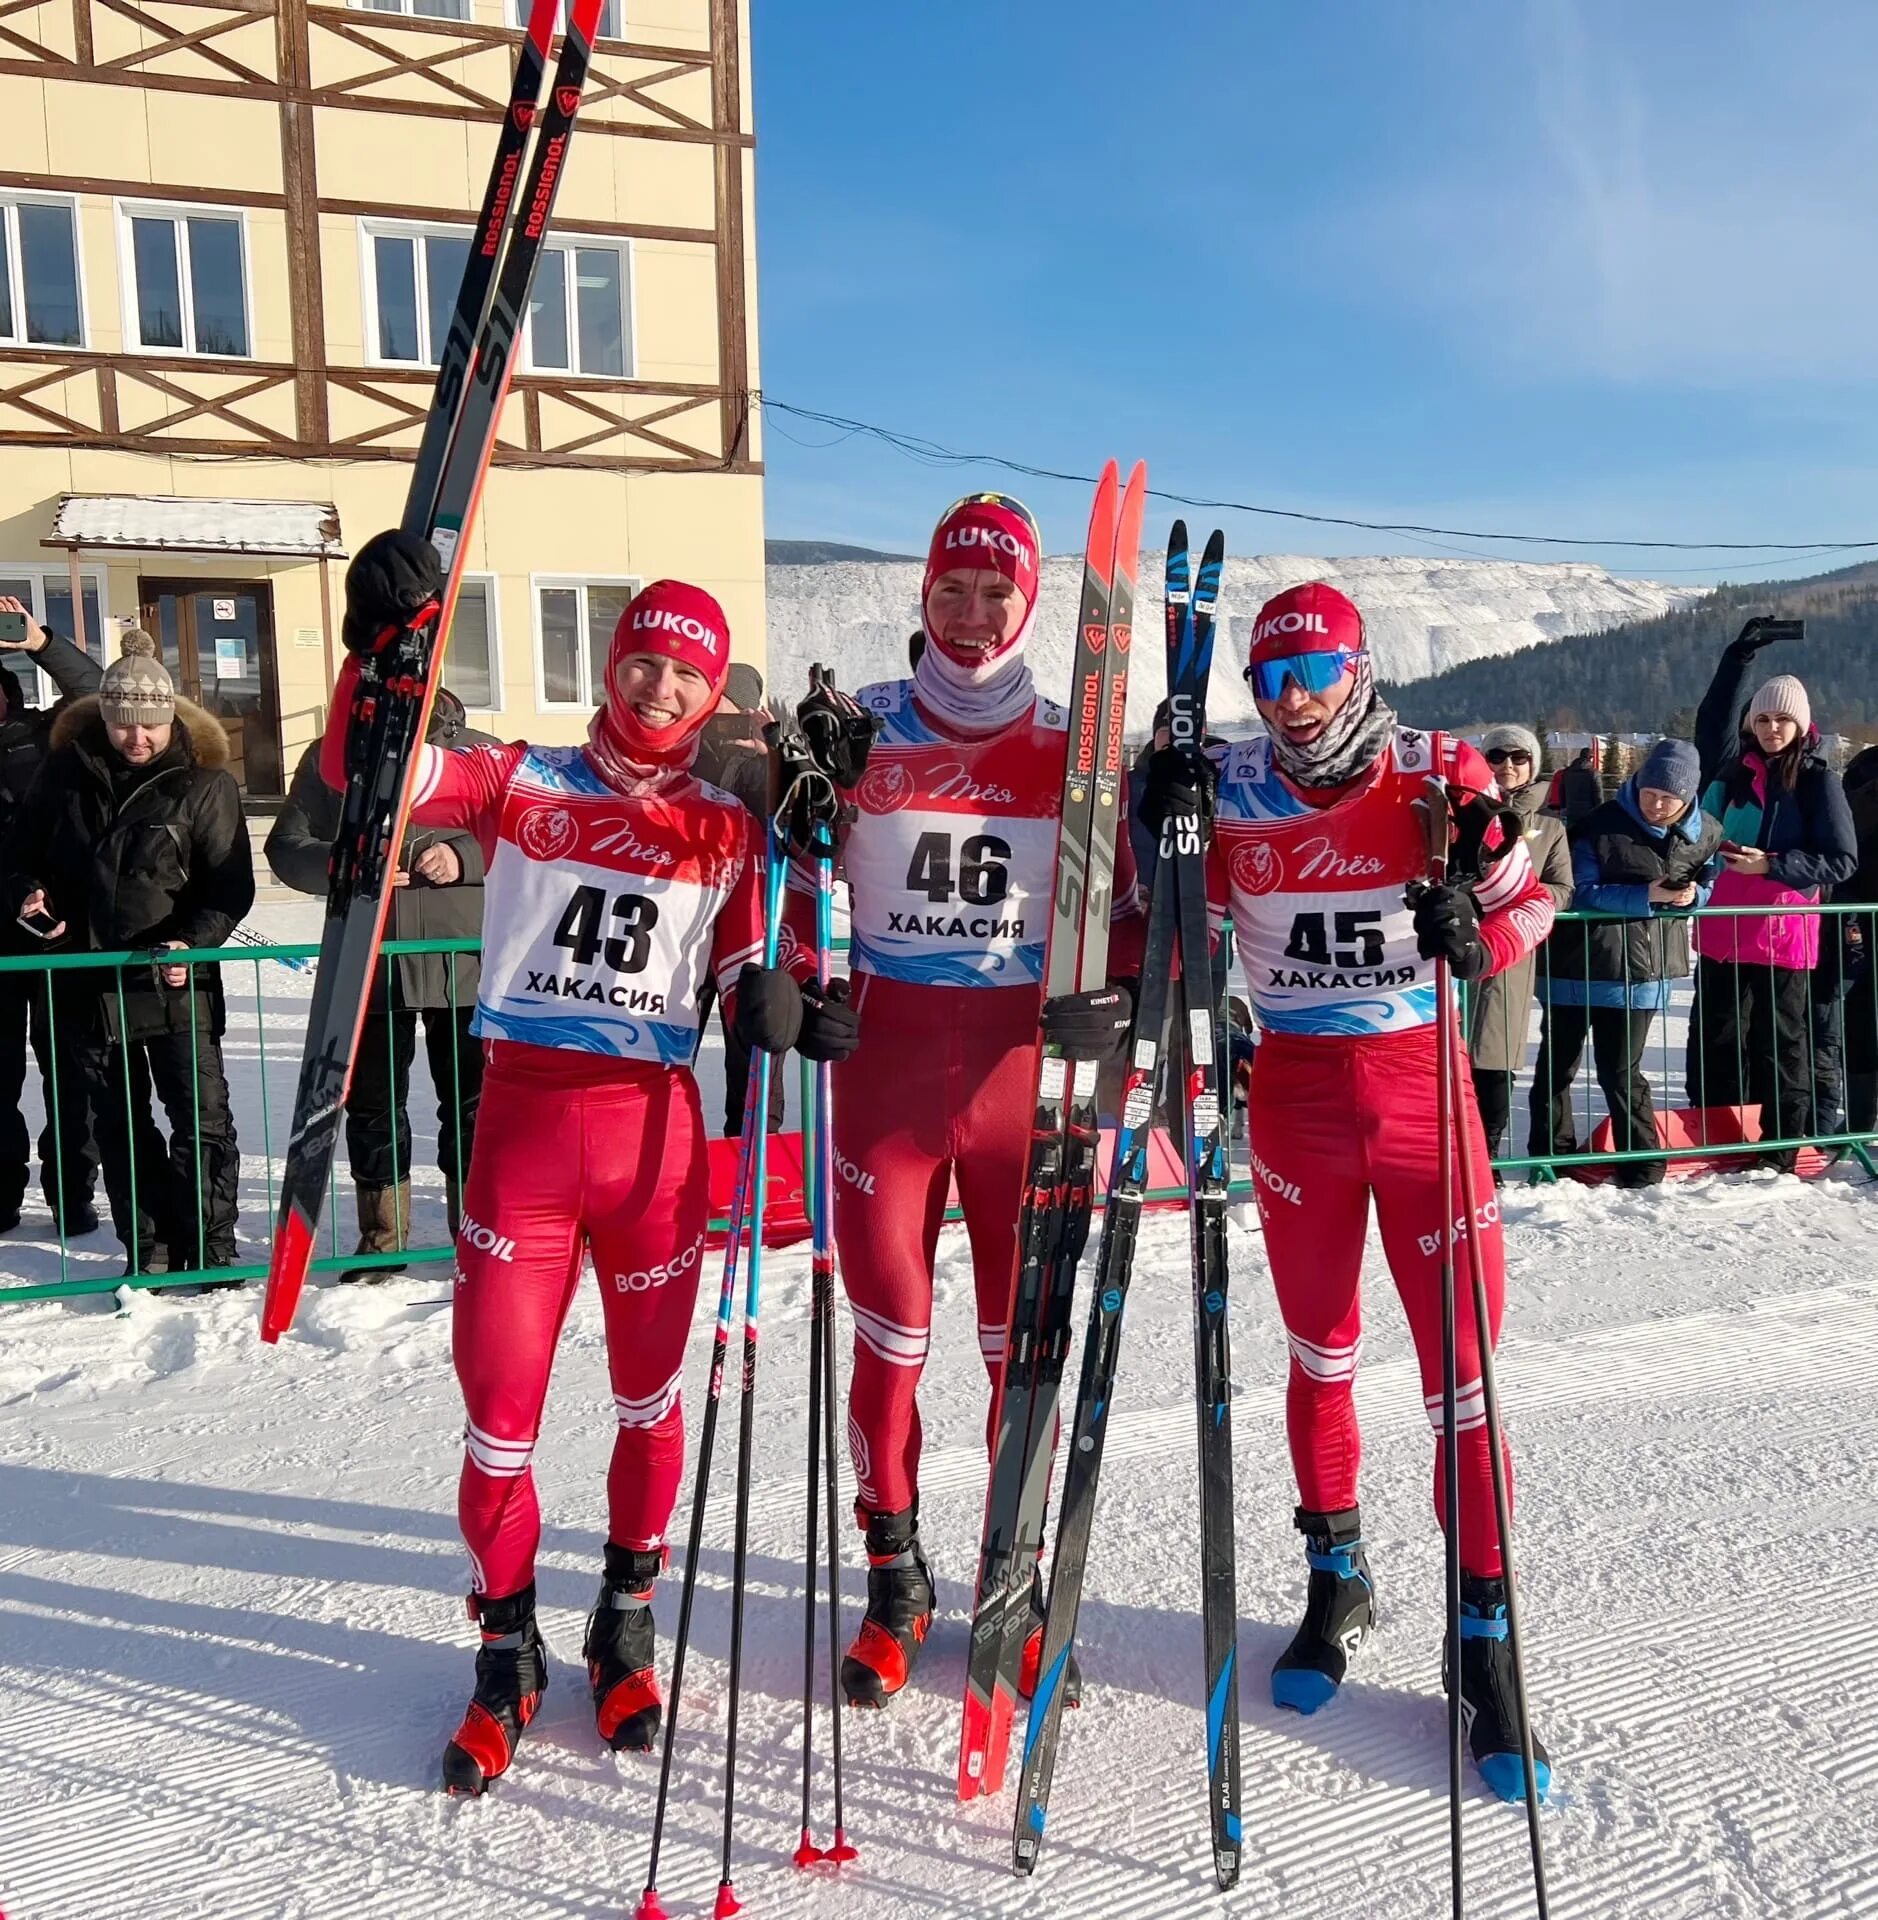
[(224, 609), (306, 636), (231, 656)]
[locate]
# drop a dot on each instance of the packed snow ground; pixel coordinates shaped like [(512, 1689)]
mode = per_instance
[(235, 1644)]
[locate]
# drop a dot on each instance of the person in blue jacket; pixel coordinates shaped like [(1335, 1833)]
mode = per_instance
[(1649, 854)]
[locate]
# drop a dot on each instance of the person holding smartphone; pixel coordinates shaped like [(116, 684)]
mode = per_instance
[(1788, 833), (68, 1156)]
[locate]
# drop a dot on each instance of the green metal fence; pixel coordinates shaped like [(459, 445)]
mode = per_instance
[(251, 996)]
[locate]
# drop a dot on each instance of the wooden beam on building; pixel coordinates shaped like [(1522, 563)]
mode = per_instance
[(733, 306), (299, 172)]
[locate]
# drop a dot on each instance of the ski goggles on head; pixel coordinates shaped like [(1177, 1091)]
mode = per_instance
[(1313, 672)]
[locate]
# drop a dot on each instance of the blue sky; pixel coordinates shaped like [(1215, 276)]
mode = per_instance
[(1547, 265)]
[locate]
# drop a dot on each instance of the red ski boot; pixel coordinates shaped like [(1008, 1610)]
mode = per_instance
[(511, 1676), (900, 1604), (620, 1649), (1033, 1652)]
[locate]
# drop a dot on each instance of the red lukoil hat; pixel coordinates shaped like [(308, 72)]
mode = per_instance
[(1313, 618), (670, 617)]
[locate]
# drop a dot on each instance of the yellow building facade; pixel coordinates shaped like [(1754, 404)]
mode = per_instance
[(230, 234)]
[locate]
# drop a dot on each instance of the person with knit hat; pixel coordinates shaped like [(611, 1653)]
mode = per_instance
[(1499, 1008), (615, 884), (1650, 854), (1788, 834), (133, 837), (950, 863), (1319, 844)]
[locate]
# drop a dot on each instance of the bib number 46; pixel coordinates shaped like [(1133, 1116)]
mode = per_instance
[(984, 876), (581, 933)]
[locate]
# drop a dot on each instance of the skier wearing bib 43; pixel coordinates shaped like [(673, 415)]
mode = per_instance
[(617, 884), (950, 863), (1315, 839)]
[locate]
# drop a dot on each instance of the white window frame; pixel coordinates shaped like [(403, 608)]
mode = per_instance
[(566, 243), (371, 230), (405, 10), (38, 572), (180, 211), (491, 584), (632, 582), (16, 272), (517, 12)]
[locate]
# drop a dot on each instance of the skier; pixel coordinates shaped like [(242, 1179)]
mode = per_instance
[(615, 882), (1315, 839), (949, 859)]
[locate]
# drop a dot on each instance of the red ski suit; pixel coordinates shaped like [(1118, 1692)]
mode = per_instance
[(1343, 1089), (949, 863), (602, 912)]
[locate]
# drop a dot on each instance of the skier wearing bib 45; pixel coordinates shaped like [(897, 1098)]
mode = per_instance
[(1315, 839), (950, 862), (617, 884)]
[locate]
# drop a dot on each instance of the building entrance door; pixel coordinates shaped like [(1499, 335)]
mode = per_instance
[(217, 638)]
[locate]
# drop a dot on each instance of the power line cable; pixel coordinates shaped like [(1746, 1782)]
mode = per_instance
[(932, 453)]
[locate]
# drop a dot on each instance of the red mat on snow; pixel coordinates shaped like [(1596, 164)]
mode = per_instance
[(786, 1223), (1696, 1128)]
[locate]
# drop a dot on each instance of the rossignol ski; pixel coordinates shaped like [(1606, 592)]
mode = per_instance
[(1060, 1177), (391, 704), (1206, 1111), (1189, 657)]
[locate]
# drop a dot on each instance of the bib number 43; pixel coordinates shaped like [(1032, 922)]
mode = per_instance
[(582, 929)]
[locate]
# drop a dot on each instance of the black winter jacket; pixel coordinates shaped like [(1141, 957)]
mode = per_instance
[(24, 730), (167, 859)]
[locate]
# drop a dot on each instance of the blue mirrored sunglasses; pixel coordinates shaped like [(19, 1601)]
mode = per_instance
[(1314, 672)]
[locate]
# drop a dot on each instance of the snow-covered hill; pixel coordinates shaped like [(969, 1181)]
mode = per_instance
[(1423, 615)]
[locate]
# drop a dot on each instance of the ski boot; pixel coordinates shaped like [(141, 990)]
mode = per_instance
[(900, 1603), (619, 1651), (1339, 1611), (1033, 1651), (1488, 1695), (511, 1676)]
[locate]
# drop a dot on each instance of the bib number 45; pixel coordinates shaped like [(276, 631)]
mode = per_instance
[(582, 929), (1357, 935)]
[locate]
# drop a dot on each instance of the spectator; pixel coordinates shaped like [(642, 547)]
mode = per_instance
[(1861, 945), (68, 1158), (133, 837), (1788, 834), (1576, 789), (1650, 854), (1500, 1006), (438, 896), (733, 756)]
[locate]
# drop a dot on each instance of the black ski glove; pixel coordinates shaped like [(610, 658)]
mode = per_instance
[(391, 577), (1473, 846), (839, 731), (831, 1027), (769, 1010), (1447, 927), (1090, 1026), (1180, 780), (1761, 632)]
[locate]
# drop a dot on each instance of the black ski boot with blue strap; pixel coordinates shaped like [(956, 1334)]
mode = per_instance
[(1339, 1612)]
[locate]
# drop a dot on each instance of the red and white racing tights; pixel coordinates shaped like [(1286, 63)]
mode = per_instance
[(942, 1087), (576, 1154), (1335, 1120)]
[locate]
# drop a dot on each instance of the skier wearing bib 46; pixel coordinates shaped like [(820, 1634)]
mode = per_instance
[(1316, 837), (950, 863), (617, 884)]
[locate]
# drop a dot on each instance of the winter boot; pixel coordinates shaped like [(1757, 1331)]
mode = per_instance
[(1488, 1695), (1033, 1651), (511, 1676), (384, 1227), (900, 1602), (1339, 1611), (619, 1651)]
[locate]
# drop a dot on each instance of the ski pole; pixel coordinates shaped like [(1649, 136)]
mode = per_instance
[(841, 1851), (1502, 1504), (1437, 808), (727, 1901), (650, 1907), (807, 1853)]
